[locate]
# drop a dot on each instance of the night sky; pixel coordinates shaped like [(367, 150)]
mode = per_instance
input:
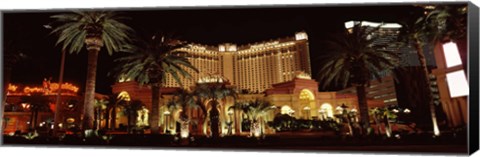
[(210, 26)]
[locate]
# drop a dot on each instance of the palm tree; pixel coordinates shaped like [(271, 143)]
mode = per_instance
[(130, 109), (255, 110), (152, 61), (383, 115), (111, 113), (37, 103), (211, 93), (92, 29), (352, 59), (100, 107), (443, 23)]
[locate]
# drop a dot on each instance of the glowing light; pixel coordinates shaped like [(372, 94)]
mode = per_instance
[(327, 108), (301, 36), (65, 86), (302, 75), (12, 87), (166, 113), (452, 56), (70, 120), (285, 109), (124, 96), (306, 108), (406, 110), (51, 90), (264, 45), (184, 131), (457, 84)]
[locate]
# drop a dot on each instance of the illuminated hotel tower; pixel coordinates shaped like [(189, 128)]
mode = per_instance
[(254, 67)]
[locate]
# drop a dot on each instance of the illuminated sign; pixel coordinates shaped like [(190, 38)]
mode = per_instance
[(264, 45), (47, 89)]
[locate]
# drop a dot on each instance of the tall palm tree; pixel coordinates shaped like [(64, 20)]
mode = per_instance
[(353, 59), (442, 23), (152, 61), (212, 93), (255, 110), (94, 30)]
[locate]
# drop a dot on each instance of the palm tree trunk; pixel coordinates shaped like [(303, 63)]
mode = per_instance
[(89, 100), (214, 120), (423, 64), (114, 118), (154, 118), (362, 105), (95, 118), (57, 118)]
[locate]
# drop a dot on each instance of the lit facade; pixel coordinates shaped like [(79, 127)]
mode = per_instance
[(252, 67), (277, 71), (18, 113)]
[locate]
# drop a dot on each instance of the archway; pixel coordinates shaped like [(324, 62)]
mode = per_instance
[(326, 110), (307, 103), (118, 116), (286, 110)]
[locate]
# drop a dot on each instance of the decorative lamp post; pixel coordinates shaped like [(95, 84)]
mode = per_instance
[(167, 118)]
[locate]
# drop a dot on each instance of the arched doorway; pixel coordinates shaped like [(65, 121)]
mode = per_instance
[(326, 111), (307, 104), (287, 110), (118, 116)]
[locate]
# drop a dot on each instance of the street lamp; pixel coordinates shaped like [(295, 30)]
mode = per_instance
[(167, 116)]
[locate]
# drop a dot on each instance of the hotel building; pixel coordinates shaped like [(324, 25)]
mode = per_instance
[(253, 67), (277, 71)]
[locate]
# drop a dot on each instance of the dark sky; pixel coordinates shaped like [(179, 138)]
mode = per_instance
[(209, 26)]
